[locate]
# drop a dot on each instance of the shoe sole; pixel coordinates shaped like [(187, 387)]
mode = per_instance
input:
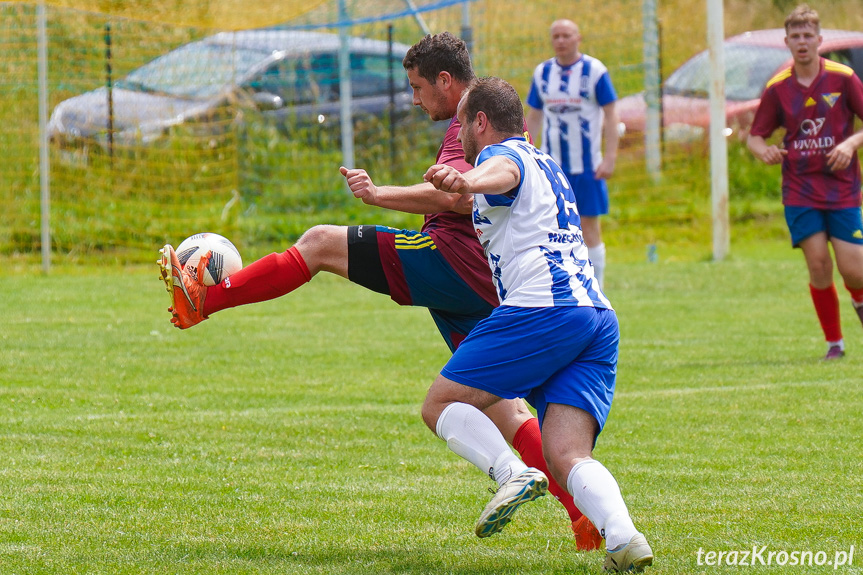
[(636, 566), (166, 271), (639, 564), (503, 514), (165, 274)]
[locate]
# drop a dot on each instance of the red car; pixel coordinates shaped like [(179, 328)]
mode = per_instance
[(751, 59)]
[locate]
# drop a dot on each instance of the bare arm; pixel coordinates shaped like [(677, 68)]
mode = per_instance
[(611, 139), (770, 155), (417, 199), (534, 124), (840, 157), (498, 175)]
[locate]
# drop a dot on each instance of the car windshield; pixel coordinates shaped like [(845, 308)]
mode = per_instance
[(193, 71), (748, 68)]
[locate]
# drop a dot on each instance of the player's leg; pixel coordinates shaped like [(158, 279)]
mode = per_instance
[(509, 354), (845, 227), (849, 261), (590, 227), (819, 262), (808, 229), (568, 433), (455, 317), (573, 405), (454, 413), (521, 430), (322, 248), (592, 230)]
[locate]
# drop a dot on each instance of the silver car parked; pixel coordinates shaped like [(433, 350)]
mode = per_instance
[(289, 76)]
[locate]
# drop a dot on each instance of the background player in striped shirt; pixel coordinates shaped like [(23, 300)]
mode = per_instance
[(815, 101), (572, 104), (553, 340)]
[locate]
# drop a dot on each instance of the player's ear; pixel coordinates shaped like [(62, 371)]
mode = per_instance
[(482, 121), (444, 78)]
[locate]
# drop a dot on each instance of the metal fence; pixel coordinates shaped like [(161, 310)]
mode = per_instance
[(116, 194)]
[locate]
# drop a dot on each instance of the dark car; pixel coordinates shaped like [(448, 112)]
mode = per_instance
[(751, 59), (289, 76)]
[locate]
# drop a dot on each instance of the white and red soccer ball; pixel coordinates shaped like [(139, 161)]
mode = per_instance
[(225, 259)]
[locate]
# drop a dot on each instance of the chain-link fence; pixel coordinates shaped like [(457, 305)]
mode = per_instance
[(146, 147)]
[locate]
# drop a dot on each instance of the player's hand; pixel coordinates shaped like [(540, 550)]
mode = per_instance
[(840, 157), (773, 155), (605, 169), (447, 179), (361, 185), (464, 204)]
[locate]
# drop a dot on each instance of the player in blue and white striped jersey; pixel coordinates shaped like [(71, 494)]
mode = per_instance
[(553, 340), (572, 104), (534, 241)]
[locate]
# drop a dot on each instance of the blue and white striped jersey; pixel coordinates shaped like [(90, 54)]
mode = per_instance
[(532, 235), (571, 98)]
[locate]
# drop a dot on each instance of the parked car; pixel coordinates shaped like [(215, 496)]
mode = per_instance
[(751, 59), (289, 76)]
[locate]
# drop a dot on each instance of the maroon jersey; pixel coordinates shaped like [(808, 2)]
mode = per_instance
[(816, 118), (454, 234)]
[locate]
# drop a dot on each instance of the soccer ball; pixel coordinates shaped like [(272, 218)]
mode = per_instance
[(225, 260)]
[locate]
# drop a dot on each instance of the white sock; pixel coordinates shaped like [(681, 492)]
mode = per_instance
[(468, 432), (597, 258), (840, 343), (597, 495)]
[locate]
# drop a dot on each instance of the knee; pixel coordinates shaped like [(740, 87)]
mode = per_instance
[(560, 463), (431, 411), (821, 270), (852, 276), (508, 416), (324, 247), (316, 237)]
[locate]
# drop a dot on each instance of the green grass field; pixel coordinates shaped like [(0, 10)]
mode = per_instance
[(285, 437)]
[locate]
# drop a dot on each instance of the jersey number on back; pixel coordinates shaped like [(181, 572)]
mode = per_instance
[(567, 214)]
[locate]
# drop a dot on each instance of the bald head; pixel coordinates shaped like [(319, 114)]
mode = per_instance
[(565, 38), (564, 23)]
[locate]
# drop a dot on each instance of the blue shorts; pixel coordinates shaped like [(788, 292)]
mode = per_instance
[(564, 355), (407, 266), (846, 225), (591, 195)]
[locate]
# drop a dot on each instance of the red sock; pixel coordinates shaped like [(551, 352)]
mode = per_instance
[(528, 443), (827, 308), (270, 277), (856, 294)]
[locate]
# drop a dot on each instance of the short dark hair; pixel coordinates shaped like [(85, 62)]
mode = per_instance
[(438, 53), (803, 15), (500, 102)]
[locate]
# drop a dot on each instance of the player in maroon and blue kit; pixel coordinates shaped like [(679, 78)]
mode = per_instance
[(816, 100), (442, 267)]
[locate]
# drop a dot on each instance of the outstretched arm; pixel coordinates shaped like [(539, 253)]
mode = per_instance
[(417, 199), (497, 175)]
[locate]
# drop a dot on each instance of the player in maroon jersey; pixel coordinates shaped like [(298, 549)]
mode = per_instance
[(442, 267), (815, 101)]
